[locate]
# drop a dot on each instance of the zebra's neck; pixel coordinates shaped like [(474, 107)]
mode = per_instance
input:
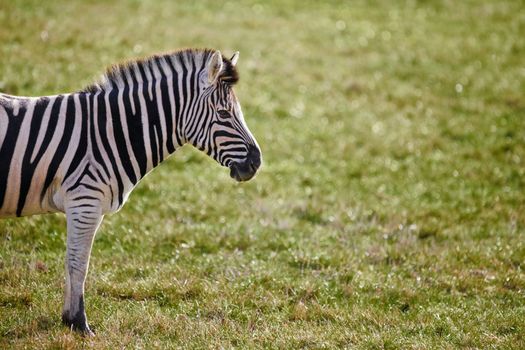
[(136, 124), (148, 103)]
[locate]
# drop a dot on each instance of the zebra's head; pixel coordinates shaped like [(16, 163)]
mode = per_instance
[(219, 128)]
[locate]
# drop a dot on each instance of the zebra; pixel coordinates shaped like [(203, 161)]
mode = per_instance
[(82, 153)]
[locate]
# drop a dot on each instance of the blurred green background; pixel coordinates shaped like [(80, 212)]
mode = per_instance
[(389, 213)]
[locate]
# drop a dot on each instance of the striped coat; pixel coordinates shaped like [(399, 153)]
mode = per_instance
[(82, 153)]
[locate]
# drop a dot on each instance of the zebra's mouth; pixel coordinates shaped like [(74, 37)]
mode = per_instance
[(246, 169), (242, 171)]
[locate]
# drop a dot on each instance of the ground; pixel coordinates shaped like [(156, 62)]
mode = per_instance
[(389, 212)]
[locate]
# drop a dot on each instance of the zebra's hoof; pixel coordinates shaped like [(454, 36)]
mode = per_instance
[(88, 332), (78, 324)]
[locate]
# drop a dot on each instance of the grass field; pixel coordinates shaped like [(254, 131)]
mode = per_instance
[(389, 213)]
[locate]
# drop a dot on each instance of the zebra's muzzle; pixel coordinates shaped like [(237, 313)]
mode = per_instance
[(245, 170)]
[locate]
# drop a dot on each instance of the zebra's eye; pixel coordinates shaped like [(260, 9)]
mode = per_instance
[(223, 113)]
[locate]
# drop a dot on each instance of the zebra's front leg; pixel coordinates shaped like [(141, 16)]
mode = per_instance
[(82, 224)]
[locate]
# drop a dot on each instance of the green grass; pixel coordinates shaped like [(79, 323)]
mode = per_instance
[(390, 211)]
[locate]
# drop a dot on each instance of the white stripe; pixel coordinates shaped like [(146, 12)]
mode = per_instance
[(4, 121), (149, 79), (130, 83)]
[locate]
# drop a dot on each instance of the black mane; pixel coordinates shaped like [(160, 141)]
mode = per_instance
[(116, 74)]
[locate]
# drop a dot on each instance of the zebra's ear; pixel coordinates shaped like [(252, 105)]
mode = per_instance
[(214, 67), (235, 58)]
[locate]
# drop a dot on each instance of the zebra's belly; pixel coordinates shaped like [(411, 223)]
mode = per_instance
[(12, 213), (24, 198)]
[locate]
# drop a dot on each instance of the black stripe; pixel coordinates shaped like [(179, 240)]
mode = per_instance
[(94, 145), (93, 188), (28, 167), (150, 116), (100, 177), (178, 118), (225, 133), (102, 117), (83, 205), (62, 146), (134, 121), (155, 131), (232, 142), (86, 197), (166, 107), (184, 96), (79, 179), (234, 149), (8, 147), (192, 123), (118, 134), (82, 222), (91, 176), (83, 141)]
